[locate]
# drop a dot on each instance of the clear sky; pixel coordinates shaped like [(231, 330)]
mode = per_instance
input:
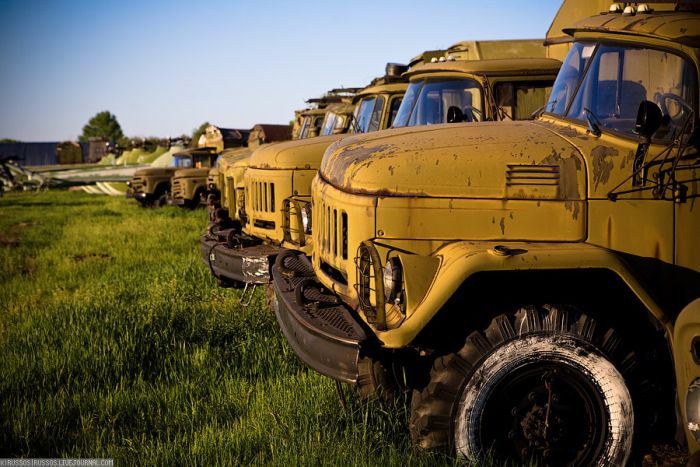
[(164, 67)]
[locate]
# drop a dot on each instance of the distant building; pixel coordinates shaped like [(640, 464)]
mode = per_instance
[(94, 149), (31, 153)]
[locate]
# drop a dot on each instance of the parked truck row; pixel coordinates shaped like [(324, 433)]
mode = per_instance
[(501, 234)]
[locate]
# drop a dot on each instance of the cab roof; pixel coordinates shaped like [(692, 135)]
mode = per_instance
[(494, 67), (390, 88), (677, 26)]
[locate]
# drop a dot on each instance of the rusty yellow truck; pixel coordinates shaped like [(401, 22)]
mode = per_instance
[(277, 183), (533, 284)]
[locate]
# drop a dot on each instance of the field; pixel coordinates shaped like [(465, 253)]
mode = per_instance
[(115, 341)]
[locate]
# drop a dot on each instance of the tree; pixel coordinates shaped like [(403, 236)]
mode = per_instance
[(197, 132), (103, 125)]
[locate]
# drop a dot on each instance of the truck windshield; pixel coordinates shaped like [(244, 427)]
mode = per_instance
[(369, 113), (618, 79), (310, 126), (182, 162), (333, 123), (431, 101)]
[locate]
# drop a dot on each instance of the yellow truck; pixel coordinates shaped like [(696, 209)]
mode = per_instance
[(235, 159), (450, 90), (277, 185), (225, 210), (534, 284)]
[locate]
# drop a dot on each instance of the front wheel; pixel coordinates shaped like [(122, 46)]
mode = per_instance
[(536, 385)]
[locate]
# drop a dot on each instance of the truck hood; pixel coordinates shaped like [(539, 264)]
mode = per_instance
[(472, 160), (192, 173), (155, 172), (234, 159), (298, 154)]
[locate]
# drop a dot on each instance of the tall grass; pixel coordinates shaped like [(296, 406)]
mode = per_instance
[(115, 341)]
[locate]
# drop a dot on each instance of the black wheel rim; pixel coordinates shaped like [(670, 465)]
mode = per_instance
[(547, 411)]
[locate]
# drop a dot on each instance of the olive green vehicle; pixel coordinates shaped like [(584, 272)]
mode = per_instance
[(188, 186), (277, 185), (151, 186), (534, 284)]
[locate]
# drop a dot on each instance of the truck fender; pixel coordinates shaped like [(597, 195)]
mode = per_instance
[(458, 261)]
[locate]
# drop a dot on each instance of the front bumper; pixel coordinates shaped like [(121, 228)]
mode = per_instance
[(246, 264), (324, 333), (177, 201), (139, 196)]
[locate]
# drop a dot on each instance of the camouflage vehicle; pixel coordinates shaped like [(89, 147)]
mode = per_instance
[(151, 186), (277, 184), (535, 284)]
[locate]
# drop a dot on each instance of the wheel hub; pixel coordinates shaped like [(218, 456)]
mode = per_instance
[(554, 418)]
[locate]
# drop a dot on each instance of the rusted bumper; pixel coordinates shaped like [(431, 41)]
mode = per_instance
[(248, 264), (324, 333)]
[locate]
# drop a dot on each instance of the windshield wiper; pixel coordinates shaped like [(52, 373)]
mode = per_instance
[(593, 122), (538, 112)]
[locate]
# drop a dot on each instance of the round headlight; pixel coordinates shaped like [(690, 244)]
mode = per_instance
[(392, 279)]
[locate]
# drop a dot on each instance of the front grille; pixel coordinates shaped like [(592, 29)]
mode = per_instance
[(176, 189), (137, 184), (333, 225), (262, 196)]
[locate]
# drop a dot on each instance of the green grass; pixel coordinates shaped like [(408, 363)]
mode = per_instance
[(115, 341)]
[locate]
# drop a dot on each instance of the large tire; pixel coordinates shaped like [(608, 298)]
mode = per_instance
[(376, 381), (542, 384)]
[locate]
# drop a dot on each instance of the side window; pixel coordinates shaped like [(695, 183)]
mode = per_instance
[(518, 100), (363, 114), (376, 117), (315, 130), (393, 110)]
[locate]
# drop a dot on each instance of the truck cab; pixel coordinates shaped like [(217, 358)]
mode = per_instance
[(151, 186), (534, 282), (228, 174), (188, 186)]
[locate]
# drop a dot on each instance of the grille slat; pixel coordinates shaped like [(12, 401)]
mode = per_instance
[(333, 227), (262, 196)]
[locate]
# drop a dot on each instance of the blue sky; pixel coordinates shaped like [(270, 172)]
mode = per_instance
[(164, 67)]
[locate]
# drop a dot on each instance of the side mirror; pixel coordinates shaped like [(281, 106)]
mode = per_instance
[(454, 114), (648, 119)]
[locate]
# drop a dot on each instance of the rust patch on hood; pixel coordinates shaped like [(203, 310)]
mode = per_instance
[(602, 164), (357, 157), (569, 168)]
